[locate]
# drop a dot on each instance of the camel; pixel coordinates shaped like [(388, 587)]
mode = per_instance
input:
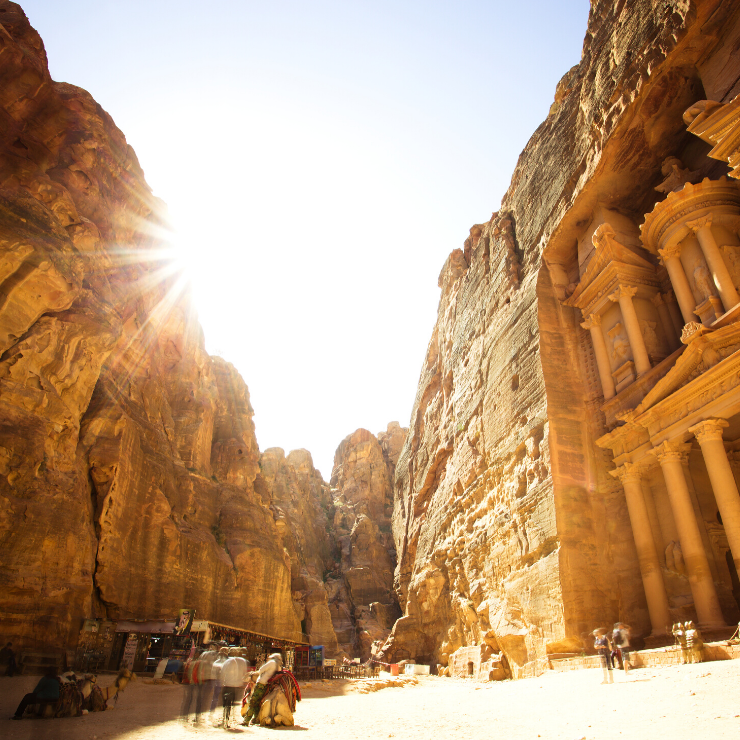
[(275, 710), (279, 703), (80, 695)]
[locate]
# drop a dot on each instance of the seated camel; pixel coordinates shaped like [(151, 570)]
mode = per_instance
[(279, 703)]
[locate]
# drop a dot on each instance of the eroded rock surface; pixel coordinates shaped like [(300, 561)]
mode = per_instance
[(362, 487), (127, 454), (509, 530)]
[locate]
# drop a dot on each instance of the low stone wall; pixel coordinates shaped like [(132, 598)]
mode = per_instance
[(670, 655)]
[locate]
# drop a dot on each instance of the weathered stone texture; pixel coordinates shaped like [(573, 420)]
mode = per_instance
[(362, 490), (507, 524), (127, 454)]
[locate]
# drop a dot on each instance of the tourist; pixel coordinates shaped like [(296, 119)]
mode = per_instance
[(7, 657), (223, 656), (205, 681), (604, 649), (233, 675), (621, 642), (46, 692), (694, 643), (267, 671), (679, 635), (190, 679)]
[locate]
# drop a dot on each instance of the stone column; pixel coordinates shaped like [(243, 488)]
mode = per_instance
[(702, 227), (647, 554), (665, 319), (593, 324), (679, 281), (624, 295), (669, 299), (671, 456), (709, 434)]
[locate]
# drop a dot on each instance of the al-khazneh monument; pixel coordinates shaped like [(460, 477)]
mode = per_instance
[(574, 446), (573, 451)]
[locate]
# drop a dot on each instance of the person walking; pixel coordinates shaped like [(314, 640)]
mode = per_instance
[(205, 681), (621, 642), (190, 680), (273, 664), (46, 692), (604, 649), (233, 675), (223, 656)]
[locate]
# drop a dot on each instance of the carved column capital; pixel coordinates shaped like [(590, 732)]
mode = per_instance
[(592, 320), (623, 291), (628, 473), (672, 451), (709, 429), (669, 252), (699, 223), (669, 297), (657, 300)]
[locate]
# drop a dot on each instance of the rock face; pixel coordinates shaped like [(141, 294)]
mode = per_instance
[(363, 499), (509, 530), (127, 455), (338, 538), (303, 508)]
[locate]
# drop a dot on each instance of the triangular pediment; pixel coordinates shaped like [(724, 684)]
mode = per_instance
[(613, 255), (705, 350)]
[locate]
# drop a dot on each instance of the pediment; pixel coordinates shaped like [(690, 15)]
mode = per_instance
[(705, 350), (611, 259)]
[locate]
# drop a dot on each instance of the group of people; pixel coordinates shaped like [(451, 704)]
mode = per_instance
[(219, 675), (614, 648), (688, 638)]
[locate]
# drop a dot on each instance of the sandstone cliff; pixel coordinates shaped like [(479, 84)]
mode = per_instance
[(509, 531), (127, 454), (363, 497)]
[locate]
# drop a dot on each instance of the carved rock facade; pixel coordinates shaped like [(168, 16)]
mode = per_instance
[(571, 454)]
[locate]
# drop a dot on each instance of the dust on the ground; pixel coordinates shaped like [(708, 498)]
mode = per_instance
[(672, 703)]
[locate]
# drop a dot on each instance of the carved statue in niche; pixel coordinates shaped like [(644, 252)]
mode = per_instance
[(732, 260), (703, 281), (676, 175), (652, 345), (620, 345)]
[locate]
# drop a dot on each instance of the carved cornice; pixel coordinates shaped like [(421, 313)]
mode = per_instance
[(666, 224), (709, 429), (719, 125)]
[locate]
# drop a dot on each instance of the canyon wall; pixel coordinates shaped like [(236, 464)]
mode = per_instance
[(131, 482), (510, 533), (128, 456)]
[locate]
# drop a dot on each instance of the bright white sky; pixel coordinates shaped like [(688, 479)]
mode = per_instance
[(320, 160)]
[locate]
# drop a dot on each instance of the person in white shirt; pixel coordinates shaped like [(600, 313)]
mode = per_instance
[(273, 664), (223, 656), (233, 677)]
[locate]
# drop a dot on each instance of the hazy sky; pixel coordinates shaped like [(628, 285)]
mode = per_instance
[(320, 160)]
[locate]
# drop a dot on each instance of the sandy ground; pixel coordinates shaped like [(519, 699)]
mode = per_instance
[(673, 703)]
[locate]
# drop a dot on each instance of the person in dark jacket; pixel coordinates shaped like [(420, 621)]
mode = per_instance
[(7, 657), (46, 692)]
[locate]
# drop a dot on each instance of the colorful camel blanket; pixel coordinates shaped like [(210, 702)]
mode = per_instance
[(286, 681)]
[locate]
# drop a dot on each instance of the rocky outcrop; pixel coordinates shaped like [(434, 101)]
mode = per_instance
[(509, 531), (127, 454), (363, 500), (302, 506)]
